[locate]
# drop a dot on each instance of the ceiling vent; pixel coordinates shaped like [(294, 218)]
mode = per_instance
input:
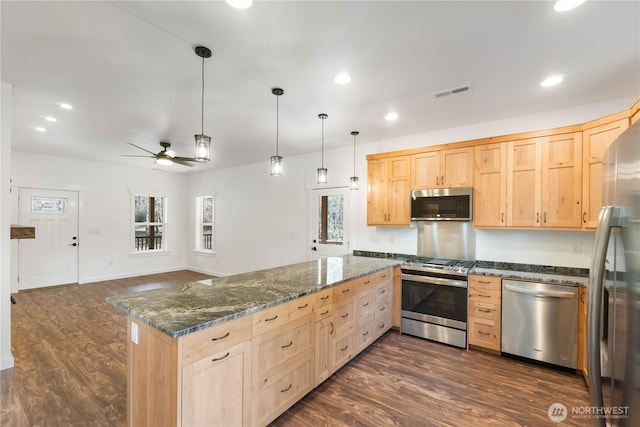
[(453, 91)]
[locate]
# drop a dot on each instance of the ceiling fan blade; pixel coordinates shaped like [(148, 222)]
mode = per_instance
[(181, 162), (135, 155), (184, 159), (143, 149)]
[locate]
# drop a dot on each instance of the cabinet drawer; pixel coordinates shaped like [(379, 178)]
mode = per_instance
[(363, 336), (346, 290), (484, 333), (381, 323), (323, 298), (269, 319), (300, 307), (486, 310), (484, 294), (365, 306), (344, 315), (383, 291), (323, 312), (275, 394), (492, 283), (342, 350), (272, 351), (208, 341)]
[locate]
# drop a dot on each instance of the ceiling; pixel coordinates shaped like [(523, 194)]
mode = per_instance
[(130, 72)]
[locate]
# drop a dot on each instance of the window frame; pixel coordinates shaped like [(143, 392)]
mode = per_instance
[(164, 247), (200, 224)]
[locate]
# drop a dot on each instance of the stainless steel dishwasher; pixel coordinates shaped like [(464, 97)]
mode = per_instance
[(540, 321)]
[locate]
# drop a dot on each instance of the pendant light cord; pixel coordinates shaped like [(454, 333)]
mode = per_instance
[(354, 155), (322, 147), (277, 121), (202, 102)]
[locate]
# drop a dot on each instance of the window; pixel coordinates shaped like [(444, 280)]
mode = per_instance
[(149, 223), (204, 224), (330, 219)]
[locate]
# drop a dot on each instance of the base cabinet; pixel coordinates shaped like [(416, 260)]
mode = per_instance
[(485, 311), (248, 371)]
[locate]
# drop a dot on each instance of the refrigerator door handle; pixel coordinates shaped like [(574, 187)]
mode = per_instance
[(596, 282)]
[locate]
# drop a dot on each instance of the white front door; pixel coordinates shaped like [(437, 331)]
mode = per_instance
[(329, 225), (52, 257)]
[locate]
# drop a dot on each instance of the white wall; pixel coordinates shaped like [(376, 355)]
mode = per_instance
[(105, 202), (6, 359), (256, 213)]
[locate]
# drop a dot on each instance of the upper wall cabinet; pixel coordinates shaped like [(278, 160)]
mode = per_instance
[(490, 185), (544, 181), (442, 169), (388, 191), (595, 142), (635, 117)]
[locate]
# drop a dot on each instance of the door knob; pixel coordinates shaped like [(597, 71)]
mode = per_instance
[(73, 244), (313, 248)]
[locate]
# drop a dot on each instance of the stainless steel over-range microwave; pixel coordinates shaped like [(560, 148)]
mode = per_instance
[(442, 204)]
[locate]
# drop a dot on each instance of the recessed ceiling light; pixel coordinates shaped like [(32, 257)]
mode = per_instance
[(391, 116), (65, 106), (564, 5), (50, 119), (240, 4), (342, 78), (552, 80), (40, 129)]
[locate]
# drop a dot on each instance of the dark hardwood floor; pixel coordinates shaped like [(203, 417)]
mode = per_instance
[(70, 370)]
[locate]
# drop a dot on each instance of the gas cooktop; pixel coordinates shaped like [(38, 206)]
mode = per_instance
[(438, 265)]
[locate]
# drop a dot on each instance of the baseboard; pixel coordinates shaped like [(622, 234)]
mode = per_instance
[(93, 279), (209, 272), (6, 363)]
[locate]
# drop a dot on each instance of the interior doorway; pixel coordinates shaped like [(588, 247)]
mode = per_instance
[(329, 222)]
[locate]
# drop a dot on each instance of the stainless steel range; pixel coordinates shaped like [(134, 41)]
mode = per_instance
[(434, 299)]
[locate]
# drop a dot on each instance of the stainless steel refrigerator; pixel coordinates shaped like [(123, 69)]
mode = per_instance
[(613, 319)]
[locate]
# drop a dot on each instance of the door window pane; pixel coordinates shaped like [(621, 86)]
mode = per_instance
[(330, 219)]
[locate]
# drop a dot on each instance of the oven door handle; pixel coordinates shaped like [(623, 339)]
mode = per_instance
[(435, 280)]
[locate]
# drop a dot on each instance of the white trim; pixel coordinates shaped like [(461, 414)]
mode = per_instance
[(147, 192), (204, 253), (95, 279), (63, 187), (7, 363), (142, 254), (209, 272)]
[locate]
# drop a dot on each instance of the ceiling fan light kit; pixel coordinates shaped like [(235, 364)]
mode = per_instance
[(203, 142), (276, 161)]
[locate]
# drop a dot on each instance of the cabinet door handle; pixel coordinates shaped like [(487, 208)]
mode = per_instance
[(220, 358), (331, 331), (442, 180), (584, 217), (484, 333), (366, 304), (272, 318), (383, 308), (288, 345), (537, 217), (486, 282), (367, 282), (545, 217), (383, 291), (344, 348), (502, 217), (365, 334), (324, 298), (485, 310), (286, 389), (324, 313), (437, 180), (303, 306), (344, 316), (383, 276), (381, 326), (344, 291), (222, 337), (484, 296)]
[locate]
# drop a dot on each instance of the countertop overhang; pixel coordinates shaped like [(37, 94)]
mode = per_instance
[(182, 309)]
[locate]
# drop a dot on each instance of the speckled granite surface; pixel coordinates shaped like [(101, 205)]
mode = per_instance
[(183, 309), (546, 273)]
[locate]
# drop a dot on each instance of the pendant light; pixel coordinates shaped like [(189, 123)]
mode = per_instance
[(203, 142), (322, 171), (353, 181), (276, 161)]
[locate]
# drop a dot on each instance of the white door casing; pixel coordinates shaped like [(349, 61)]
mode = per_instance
[(52, 257), (319, 248)]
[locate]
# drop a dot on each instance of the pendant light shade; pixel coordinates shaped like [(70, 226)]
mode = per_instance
[(276, 161), (322, 171), (203, 142), (353, 181)]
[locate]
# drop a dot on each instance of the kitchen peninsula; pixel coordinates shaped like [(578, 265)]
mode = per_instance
[(240, 350)]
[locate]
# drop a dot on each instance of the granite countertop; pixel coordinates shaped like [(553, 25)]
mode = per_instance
[(182, 309), (538, 273)]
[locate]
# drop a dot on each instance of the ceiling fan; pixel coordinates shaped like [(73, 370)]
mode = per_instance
[(164, 157)]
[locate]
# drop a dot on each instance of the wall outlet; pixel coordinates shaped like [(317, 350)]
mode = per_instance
[(134, 332), (577, 248)]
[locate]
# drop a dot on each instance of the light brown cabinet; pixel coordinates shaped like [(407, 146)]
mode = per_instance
[(595, 142), (490, 185), (388, 191), (485, 311), (442, 169), (544, 181)]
